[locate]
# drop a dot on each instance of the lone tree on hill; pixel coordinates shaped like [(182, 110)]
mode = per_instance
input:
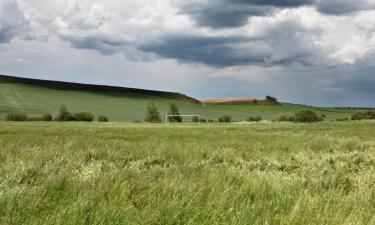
[(153, 115), (173, 110), (271, 99)]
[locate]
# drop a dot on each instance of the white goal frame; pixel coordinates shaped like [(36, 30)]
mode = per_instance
[(169, 116)]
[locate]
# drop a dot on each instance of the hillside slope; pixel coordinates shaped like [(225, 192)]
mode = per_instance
[(36, 97)]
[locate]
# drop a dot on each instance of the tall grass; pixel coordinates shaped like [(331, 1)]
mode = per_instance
[(112, 173)]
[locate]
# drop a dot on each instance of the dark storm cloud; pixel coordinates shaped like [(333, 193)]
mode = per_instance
[(104, 45), (276, 3), (213, 51), (342, 7), (227, 15), (236, 13), (283, 43), (360, 79)]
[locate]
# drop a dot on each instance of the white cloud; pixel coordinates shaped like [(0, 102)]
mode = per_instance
[(291, 35), (84, 19)]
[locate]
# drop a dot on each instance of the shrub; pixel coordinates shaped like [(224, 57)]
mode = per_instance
[(254, 119), (210, 121), (83, 116), (359, 116), (103, 119), (16, 117), (307, 116), (371, 115), (153, 115), (363, 116), (291, 118), (47, 117), (195, 119), (225, 119), (63, 114), (173, 110), (283, 118)]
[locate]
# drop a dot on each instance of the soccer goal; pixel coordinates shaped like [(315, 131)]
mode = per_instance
[(167, 117)]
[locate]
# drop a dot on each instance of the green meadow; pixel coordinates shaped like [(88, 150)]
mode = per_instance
[(35, 101), (123, 173)]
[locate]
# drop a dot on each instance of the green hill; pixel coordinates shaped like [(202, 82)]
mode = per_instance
[(36, 97)]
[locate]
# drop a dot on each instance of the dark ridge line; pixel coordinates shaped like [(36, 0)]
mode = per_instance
[(62, 85)]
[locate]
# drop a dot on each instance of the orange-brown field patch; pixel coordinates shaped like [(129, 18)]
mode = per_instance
[(229, 100)]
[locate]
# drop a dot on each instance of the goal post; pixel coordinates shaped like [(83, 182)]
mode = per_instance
[(183, 116)]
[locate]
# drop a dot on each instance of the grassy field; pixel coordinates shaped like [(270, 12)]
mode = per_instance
[(35, 101), (121, 173)]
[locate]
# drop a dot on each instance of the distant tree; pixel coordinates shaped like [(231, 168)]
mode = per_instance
[(225, 119), (63, 114), (17, 116), (153, 115), (254, 119), (47, 117), (173, 110), (83, 116), (271, 99)]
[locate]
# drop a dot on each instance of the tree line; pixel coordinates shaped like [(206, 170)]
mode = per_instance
[(174, 115), (62, 115)]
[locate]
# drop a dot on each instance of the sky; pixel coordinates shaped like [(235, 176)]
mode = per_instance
[(317, 52)]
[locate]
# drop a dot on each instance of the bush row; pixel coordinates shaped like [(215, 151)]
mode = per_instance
[(305, 116), (153, 116), (62, 115), (369, 115), (23, 117), (364, 116)]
